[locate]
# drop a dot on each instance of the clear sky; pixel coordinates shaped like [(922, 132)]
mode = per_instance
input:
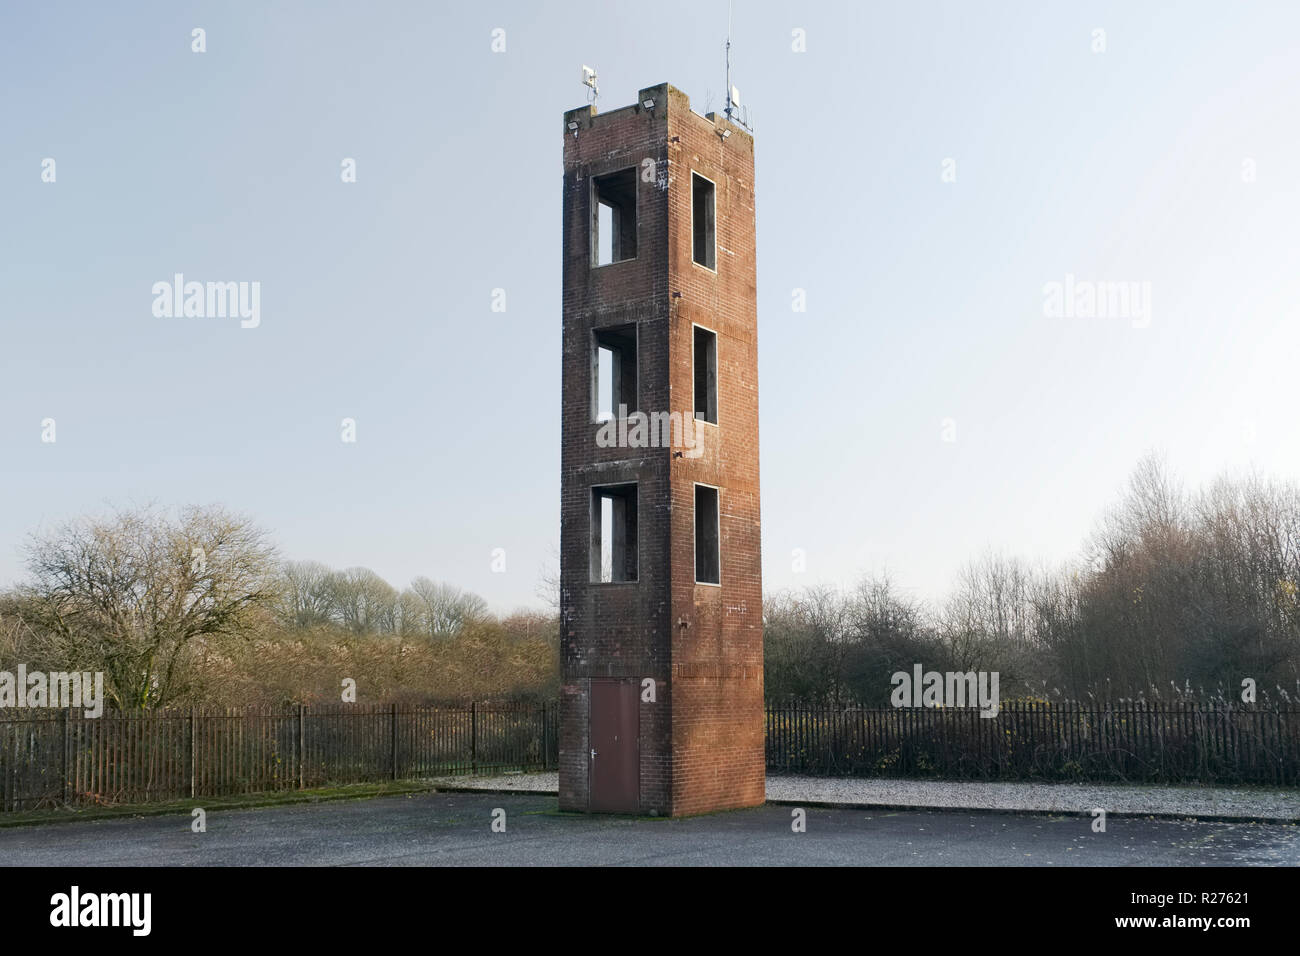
[(1172, 158)]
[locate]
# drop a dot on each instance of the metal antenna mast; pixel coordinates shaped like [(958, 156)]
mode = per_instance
[(732, 110), (727, 111)]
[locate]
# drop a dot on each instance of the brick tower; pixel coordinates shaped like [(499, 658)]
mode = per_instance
[(661, 708)]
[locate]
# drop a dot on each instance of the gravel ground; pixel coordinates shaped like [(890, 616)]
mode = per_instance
[(1210, 802), (548, 782)]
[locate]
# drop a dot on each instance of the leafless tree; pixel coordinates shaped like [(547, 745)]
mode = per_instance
[(363, 602), (308, 595), (446, 608), (133, 593)]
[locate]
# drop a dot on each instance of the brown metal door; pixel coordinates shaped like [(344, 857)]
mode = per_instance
[(615, 748)]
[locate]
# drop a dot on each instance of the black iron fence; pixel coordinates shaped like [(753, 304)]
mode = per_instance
[(1137, 742), (51, 757)]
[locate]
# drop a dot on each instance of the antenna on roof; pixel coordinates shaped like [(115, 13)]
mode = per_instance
[(731, 90), (589, 81), (732, 94)]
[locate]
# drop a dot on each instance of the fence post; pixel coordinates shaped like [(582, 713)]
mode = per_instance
[(302, 750), (473, 737), (553, 734), (394, 730), (64, 774), (194, 756), (546, 743)]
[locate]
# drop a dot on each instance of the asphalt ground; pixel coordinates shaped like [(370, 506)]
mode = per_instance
[(456, 829)]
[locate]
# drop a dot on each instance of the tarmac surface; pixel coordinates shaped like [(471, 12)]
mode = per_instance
[(456, 829), (1233, 804)]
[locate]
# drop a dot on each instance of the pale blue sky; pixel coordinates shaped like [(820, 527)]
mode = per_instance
[(925, 298)]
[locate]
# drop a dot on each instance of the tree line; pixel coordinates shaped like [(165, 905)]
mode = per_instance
[(1176, 595), (199, 608)]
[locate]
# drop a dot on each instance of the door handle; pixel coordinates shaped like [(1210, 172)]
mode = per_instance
[(593, 753)]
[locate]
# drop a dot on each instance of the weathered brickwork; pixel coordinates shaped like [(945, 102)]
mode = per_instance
[(701, 739)]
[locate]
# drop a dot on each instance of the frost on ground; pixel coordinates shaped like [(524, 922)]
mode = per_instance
[(1192, 801), (545, 782)]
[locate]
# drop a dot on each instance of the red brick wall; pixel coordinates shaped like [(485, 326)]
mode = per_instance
[(702, 739), (717, 661)]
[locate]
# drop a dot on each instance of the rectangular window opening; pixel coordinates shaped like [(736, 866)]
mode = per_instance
[(706, 375), (707, 556), (613, 533), (613, 217), (703, 232), (613, 372)]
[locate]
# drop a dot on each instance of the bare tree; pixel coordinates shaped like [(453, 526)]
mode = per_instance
[(446, 608), (363, 602), (410, 614), (308, 595), (548, 587), (130, 594)]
